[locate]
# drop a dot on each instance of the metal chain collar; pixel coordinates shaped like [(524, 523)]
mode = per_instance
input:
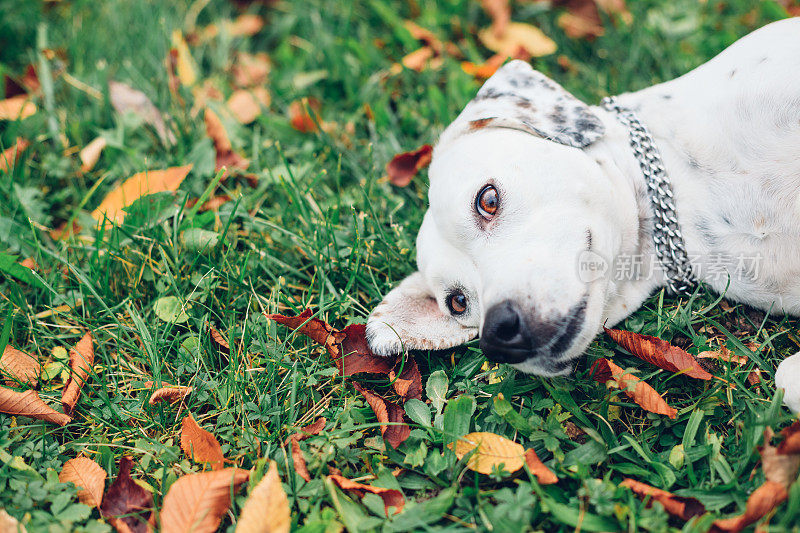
[(667, 237)]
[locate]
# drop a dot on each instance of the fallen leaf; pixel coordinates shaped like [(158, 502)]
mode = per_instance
[(539, 469), (199, 445), (81, 359), (88, 476), (390, 417), (409, 383), (300, 117), (29, 404), (426, 36), (246, 105), (605, 371), (245, 25), (779, 467), (172, 393), (679, 506), (420, 59), (184, 64), (298, 460), (659, 352), (127, 505), (28, 262), (28, 83), (219, 338), (490, 452), (317, 330), (197, 502), (126, 99), (582, 18), (518, 36), (391, 497), (724, 354), (791, 442), (486, 69), (356, 355), (250, 70), (138, 185), (90, 153), (212, 204), (225, 155), (17, 107), (9, 524), (267, 508), (403, 167), (10, 156), (19, 367), (763, 500), (500, 13)]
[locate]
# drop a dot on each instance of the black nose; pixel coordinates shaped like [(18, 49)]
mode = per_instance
[(505, 337)]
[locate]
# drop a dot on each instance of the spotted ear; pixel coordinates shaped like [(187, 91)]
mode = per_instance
[(410, 318), (521, 98)]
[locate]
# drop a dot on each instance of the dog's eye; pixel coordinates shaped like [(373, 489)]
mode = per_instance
[(487, 201), (457, 302)]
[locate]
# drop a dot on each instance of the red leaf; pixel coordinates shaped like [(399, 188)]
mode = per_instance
[(403, 167), (604, 370), (409, 383), (126, 497), (683, 508), (294, 441), (389, 415), (300, 115), (317, 330), (659, 352), (81, 359), (538, 468), (391, 497), (358, 357)]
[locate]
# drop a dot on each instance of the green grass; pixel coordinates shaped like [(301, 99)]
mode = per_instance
[(323, 230)]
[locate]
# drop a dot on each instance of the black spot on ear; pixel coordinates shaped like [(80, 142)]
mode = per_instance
[(480, 123)]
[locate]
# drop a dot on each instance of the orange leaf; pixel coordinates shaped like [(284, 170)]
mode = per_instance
[(212, 204), (682, 507), (403, 167), (138, 185), (426, 36), (10, 155), (17, 107), (500, 13), (791, 442), (391, 497), (245, 105), (779, 467), (250, 70), (659, 352), (409, 383), (317, 330), (422, 58), (169, 394), (19, 367), (538, 468), (90, 154), (485, 70), (225, 155), (127, 505), (763, 500), (390, 417), (29, 404), (267, 508), (197, 502), (199, 445), (81, 359), (300, 117), (605, 371), (724, 354), (518, 36), (88, 476)]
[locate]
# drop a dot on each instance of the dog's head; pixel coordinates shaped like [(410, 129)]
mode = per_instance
[(515, 203)]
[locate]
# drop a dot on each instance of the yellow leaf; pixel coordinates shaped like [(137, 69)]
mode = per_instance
[(267, 508), (187, 73), (518, 36), (138, 185), (491, 451)]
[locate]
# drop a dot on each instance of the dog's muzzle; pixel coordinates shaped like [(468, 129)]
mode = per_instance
[(509, 336)]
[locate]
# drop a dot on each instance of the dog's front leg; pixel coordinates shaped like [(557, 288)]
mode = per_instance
[(787, 377)]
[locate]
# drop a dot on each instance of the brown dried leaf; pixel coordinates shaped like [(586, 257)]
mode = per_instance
[(390, 416), (605, 371), (791, 442), (317, 330), (10, 156), (29, 404), (659, 352), (582, 19), (518, 36), (267, 508), (300, 117), (17, 107), (170, 394), (491, 451), (297, 454), (250, 70), (126, 99), (245, 104), (81, 359), (403, 167), (679, 506), (779, 467), (409, 383), (212, 204), (90, 153), (127, 505), (422, 58), (357, 356), (138, 185), (197, 502), (199, 445), (391, 497), (500, 13), (219, 338), (539, 469), (225, 156), (28, 83), (19, 367), (88, 476), (724, 354), (762, 501)]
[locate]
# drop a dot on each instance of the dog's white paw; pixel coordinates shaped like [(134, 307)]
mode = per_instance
[(787, 377), (382, 339)]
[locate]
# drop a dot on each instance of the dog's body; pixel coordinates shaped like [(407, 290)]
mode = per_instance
[(552, 180)]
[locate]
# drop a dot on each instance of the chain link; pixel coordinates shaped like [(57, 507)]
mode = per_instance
[(667, 237)]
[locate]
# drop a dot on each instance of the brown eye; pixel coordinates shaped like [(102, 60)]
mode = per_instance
[(487, 201), (457, 302)]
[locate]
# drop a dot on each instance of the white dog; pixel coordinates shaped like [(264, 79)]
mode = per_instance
[(537, 200)]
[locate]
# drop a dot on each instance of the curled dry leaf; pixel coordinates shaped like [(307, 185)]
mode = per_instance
[(791, 439), (357, 356), (539, 469), (199, 445), (267, 508), (391, 497), (605, 371), (90, 154), (127, 505), (298, 460), (10, 156), (659, 352), (762, 501), (518, 37), (88, 476), (491, 452), (390, 416), (317, 330), (225, 155), (19, 367), (779, 467), (169, 394), (138, 185), (679, 506), (246, 105), (29, 404), (403, 167), (126, 99), (724, 354), (219, 338), (408, 384), (17, 107), (300, 115), (197, 502), (81, 359)]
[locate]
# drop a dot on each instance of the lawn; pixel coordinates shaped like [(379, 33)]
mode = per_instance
[(314, 223)]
